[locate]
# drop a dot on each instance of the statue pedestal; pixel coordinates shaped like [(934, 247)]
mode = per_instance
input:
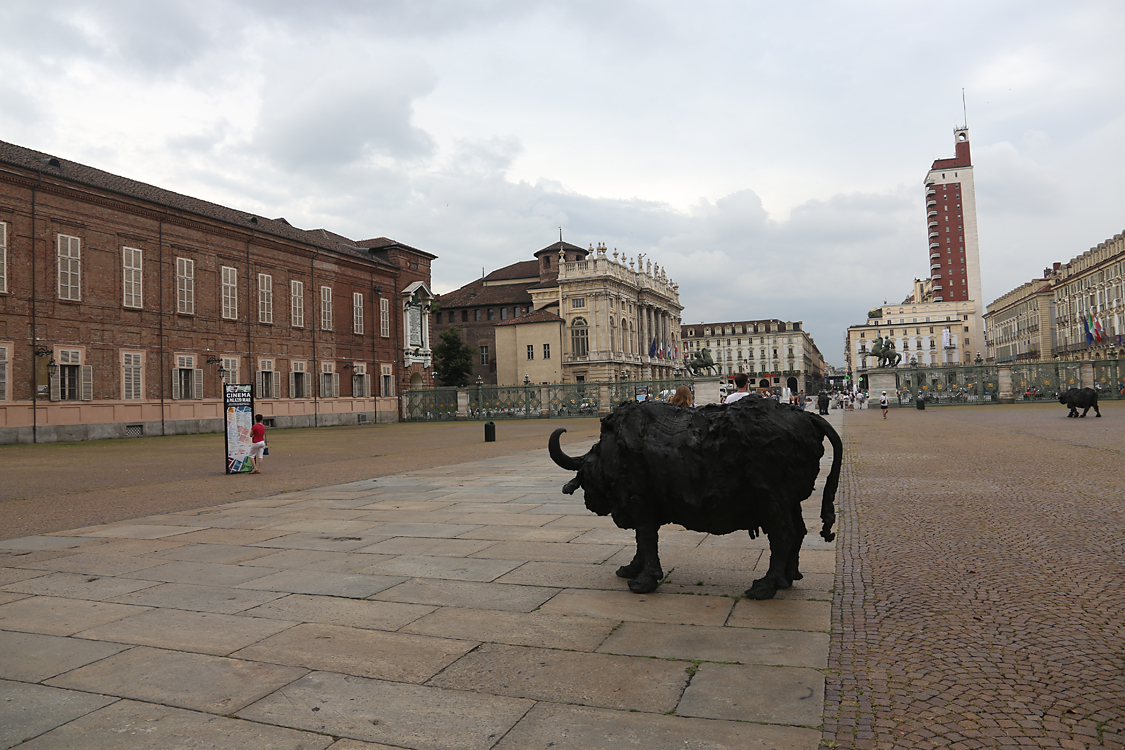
[(879, 381), (707, 390)]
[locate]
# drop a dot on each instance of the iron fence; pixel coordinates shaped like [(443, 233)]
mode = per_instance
[(430, 404), (1109, 378), (573, 399), (504, 402), (947, 385)]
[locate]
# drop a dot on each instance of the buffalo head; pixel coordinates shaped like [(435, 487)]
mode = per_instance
[(589, 477)]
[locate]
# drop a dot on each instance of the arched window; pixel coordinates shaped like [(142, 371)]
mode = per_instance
[(626, 338), (579, 338)]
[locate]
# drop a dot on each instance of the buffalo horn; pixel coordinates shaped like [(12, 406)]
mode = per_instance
[(557, 455)]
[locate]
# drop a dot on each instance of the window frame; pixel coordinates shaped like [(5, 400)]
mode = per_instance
[(132, 376), (325, 308), (228, 282), (296, 303), (185, 286), (73, 262), (132, 278), (3, 257), (384, 318), (357, 313), (265, 298)]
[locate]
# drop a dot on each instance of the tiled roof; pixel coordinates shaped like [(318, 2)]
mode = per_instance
[(52, 166), (560, 245), (525, 269), (537, 316), (476, 294)]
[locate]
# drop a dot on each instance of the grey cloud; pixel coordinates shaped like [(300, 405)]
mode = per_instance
[(329, 115), (1009, 183)]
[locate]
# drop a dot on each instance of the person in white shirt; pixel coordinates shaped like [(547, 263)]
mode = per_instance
[(740, 388), (884, 404)]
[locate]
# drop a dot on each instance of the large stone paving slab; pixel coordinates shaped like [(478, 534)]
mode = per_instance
[(401, 715), (656, 607), (770, 695), (468, 594), (202, 632), (515, 628), (31, 657), (127, 725), (743, 645), (620, 682), (554, 727), (373, 615), (77, 586), (93, 563), (453, 568), (27, 711), (782, 614), (174, 678), (199, 598), (204, 574), (351, 585), (57, 616), (365, 653)]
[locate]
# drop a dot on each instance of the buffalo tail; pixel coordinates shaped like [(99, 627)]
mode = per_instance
[(828, 503)]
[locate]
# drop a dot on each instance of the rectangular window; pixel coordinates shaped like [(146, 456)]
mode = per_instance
[(503, 313), (73, 381), (187, 380), (267, 381), (546, 351), (185, 286), (297, 303), (3, 257), (298, 386), (230, 292), (492, 313), (132, 373), (577, 302), (361, 381), (329, 379), (385, 318), (484, 355), (70, 267), (4, 373), (326, 308), (131, 282), (265, 298), (230, 370), (357, 312), (388, 381), (531, 351), (476, 315)]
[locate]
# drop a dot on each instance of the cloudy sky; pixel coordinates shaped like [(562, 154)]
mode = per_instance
[(769, 155)]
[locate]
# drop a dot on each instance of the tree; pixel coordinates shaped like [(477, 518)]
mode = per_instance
[(453, 358)]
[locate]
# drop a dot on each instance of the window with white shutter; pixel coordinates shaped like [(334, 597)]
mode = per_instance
[(4, 358), (384, 318), (185, 286), (131, 277), (132, 376), (326, 308), (388, 388), (265, 298), (66, 383), (329, 380), (70, 268), (230, 292), (187, 381), (298, 385), (267, 381), (297, 303), (3, 257), (230, 370), (357, 312)]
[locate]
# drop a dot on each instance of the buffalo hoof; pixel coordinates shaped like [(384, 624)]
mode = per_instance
[(1098, 415), (643, 584), (762, 589), (629, 571)]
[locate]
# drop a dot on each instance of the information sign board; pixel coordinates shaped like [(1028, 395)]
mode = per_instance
[(238, 410)]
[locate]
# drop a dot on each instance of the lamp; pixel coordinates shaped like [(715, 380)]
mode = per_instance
[(978, 361), (52, 368), (526, 379), (348, 367)]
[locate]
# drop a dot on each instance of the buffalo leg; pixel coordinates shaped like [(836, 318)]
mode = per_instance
[(792, 571), (782, 540), (644, 571)]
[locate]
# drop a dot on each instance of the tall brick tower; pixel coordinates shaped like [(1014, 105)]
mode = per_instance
[(951, 213)]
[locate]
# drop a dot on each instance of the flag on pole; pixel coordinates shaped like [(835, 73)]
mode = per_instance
[(1099, 331), (1089, 333), (652, 349)]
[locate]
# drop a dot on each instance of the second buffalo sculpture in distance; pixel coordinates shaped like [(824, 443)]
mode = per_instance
[(717, 469)]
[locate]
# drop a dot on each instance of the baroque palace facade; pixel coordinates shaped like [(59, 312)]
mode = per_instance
[(124, 307), (571, 315)]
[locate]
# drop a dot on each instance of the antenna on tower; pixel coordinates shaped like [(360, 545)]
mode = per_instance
[(964, 108), (560, 234)]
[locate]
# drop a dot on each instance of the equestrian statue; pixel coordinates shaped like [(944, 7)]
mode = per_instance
[(884, 352)]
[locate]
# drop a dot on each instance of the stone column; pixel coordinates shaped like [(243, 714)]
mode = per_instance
[(1087, 380), (603, 399), (1004, 380), (544, 402)]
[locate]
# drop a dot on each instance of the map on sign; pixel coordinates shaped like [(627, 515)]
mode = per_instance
[(238, 406)]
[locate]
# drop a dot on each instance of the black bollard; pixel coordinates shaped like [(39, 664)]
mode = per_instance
[(490, 432), (920, 403)]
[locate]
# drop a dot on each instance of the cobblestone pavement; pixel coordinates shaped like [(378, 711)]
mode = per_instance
[(980, 584)]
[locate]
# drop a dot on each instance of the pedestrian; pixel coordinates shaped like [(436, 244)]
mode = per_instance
[(741, 389), (683, 397), (884, 404), (257, 443)]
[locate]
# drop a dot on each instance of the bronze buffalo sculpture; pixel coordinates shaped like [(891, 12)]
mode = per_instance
[(1080, 398), (716, 469)]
